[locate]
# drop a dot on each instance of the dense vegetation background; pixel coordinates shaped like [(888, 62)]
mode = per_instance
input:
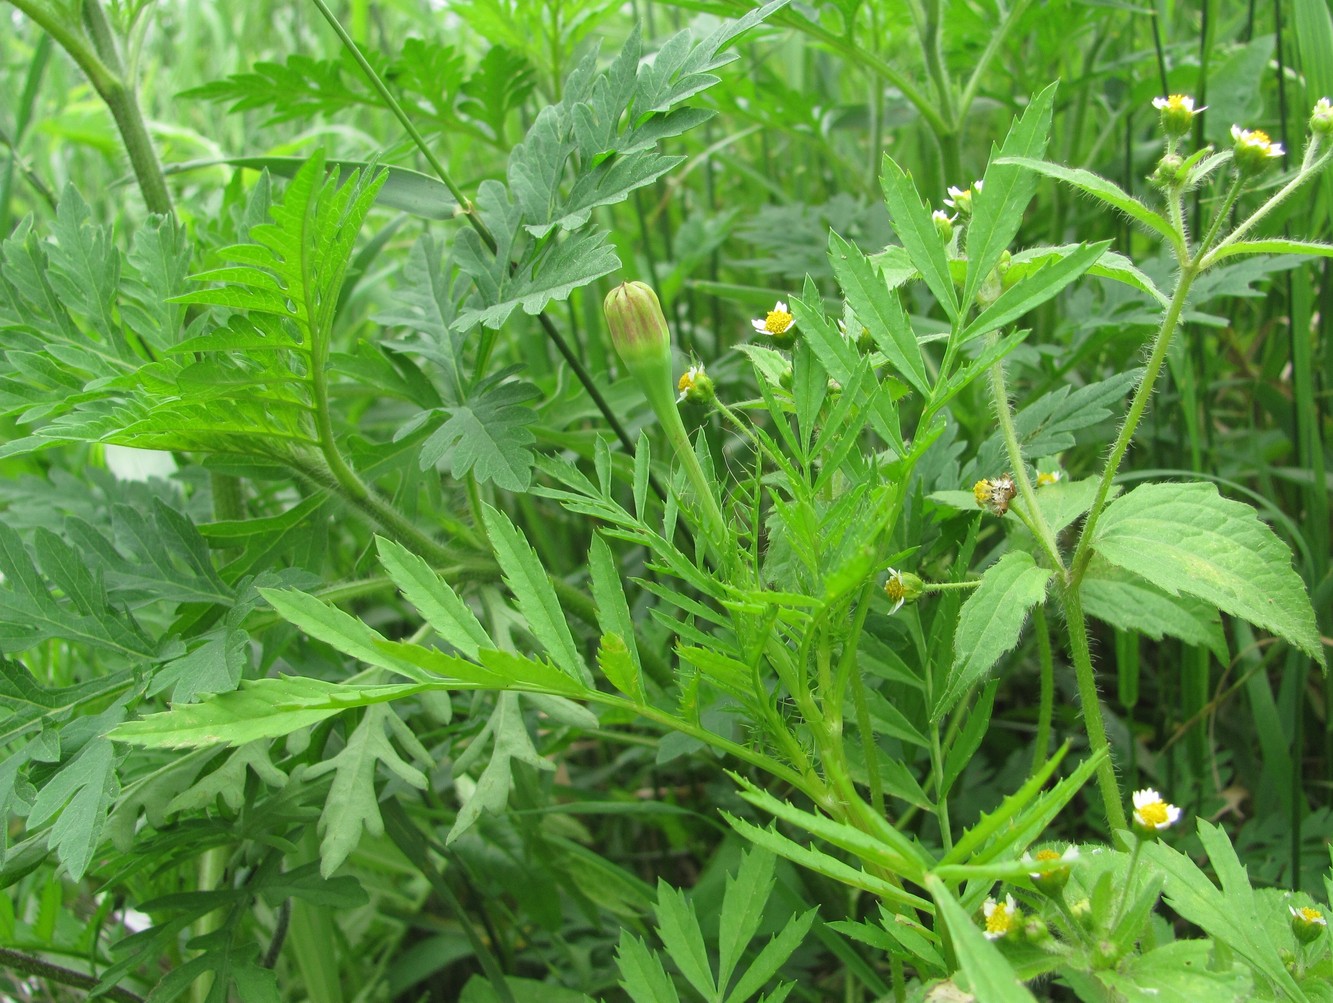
[(458, 388)]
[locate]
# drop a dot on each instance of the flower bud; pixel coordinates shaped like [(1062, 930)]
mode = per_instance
[(1054, 875), (943, 223), (1321, 119), (1035, 930), (903, 587), (638, 328)]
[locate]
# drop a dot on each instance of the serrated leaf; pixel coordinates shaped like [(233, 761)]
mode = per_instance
[(678, 926), (78, 798), (511, 742), (261, 708), (990, 975), (433, 598), (1128, 602), (990, 622), (641, 972), (747, 893), (1186, 538), (351, 804), (1033, 290), (772, 957), (916, 230), (536, 598), (488, 436)]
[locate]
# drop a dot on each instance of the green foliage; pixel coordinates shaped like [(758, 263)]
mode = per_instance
[(432, 664)]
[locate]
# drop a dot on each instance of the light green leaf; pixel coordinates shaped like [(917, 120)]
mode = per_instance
[(678, 926), (1187, 538), (641, 971), (489, 436), (1273, 245), (261, 708), (997, 210), (78, 798), (991, 976), (990, 622), (1032, 291), (613, 616), (1105, 191), (1125, 601), (914, 227), (878, 308), (537, 601), (512, 742), (433, 598), (351, 804), (743, 904)]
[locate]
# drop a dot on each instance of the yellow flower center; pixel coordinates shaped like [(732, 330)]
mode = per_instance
[(894, 589), (686, 382), (1044, 855), (1310, 915), (1000, 921), (777, 321), (1045, 478), (1179, 101), (1154, 814), (981, 491)]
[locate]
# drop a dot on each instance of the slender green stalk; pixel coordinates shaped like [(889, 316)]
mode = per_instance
[(1041, 742), (1004, 414), (1081, 655)]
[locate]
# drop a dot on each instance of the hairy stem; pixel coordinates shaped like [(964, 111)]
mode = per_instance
[(27, 964)]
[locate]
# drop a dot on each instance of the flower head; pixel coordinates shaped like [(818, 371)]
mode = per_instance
[(1321, 119), (1307, 923), (1001, 917), (1253, 149), (1152, 814), (1045, 478), (1056, 867), (779, 324), (696, 386), (961, 198), (943, 221), (1178, 113), (642, 339)]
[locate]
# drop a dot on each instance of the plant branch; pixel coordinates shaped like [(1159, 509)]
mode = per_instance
[(29, 965)]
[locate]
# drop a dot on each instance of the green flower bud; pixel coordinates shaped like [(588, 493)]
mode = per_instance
[(696, 387), (903, 587), (1054, 875), (638, 327), (1321, 119), (1178, 113), (944, 223)]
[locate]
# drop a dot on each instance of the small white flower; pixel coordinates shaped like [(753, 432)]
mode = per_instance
[(1001, 917), (777, 322), (1152, 813), (1255, 143), (895, 590)]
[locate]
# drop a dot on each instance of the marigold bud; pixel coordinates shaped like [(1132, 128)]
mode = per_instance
[(638, 327)]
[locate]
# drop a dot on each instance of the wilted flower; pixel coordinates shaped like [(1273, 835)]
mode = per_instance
[(1001, 917), (1307, 923), (779, 323), (1152, 814), (1178, 113), (1253, 149), (995, 495), (696, 386)]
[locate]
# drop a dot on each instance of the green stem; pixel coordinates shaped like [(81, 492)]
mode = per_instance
[(1310, 165), (1034, 517), (1081, 655), (1083, 550), (17, 961), (1042, 741), (993, 45)]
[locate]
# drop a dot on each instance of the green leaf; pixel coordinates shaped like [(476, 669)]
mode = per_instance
[(433, 598), (1229, 914), (916, 230), (997, 209), (678, 927), (1103, 190), (878, 308), (1128, 602), (773, 956), (409, 191), (537, 601), (511, 742), (488, 436), (1033, 290), (1186, 538), (990, 622), (78, 798), (641, 972), (990, 975), (1273, 245), (352, 805), (261, 708), (743, 904)]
